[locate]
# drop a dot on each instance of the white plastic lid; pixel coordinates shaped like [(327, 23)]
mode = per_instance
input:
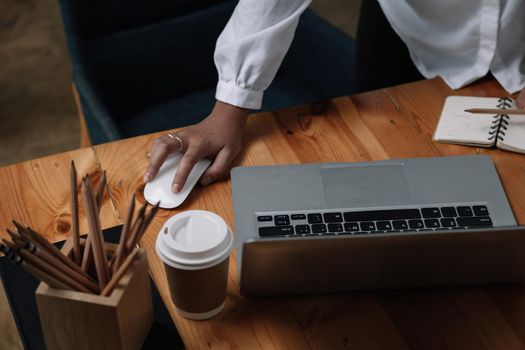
[(194, 240)]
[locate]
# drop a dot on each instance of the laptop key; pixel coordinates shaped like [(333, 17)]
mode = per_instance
[(264, 218), (351, 226), (384, 225), (449, 212), (298, 217), (465, 211), (275, 231), (430, 213), (319, 228), (432, 223), (315, 218), (415, 223), (282, 220), (302, 229), (480, 210), (400, 224), (333, 217), (448, 222), (335, 228), (475, 221), (373, 215), (368, 226)]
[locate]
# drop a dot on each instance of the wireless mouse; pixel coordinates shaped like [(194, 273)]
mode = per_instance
[(159, 189)]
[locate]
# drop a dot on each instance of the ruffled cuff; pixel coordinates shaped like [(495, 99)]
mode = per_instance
[(238, 96)]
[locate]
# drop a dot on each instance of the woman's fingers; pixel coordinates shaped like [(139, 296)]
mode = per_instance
[(219, 167), (218, 136), (192, 156), (160, 150)]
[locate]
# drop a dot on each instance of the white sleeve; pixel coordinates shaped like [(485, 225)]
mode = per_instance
[(252, 46)]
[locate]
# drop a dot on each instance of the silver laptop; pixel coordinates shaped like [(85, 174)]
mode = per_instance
[(315, 228)]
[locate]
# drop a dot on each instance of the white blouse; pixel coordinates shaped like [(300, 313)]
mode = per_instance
[(458, 40)]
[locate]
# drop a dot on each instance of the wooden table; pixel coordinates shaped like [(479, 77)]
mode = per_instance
[(396, 122)]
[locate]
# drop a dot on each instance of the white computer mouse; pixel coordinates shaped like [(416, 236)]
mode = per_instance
[(159, 189)]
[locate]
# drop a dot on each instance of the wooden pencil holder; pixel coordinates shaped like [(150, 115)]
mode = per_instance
[(76, 320)]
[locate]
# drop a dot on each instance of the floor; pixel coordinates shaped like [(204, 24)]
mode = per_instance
[(37, 111)]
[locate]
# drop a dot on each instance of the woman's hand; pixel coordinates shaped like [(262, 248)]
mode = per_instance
[(219, 136), (520, 100)]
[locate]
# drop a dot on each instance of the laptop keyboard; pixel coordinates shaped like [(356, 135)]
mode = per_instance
[(332, 222)]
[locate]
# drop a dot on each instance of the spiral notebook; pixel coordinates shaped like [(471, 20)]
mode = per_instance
[(481, 130)]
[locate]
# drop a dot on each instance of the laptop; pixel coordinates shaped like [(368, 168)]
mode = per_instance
[(332, 227)]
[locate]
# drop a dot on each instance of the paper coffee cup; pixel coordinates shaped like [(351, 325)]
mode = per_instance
[(195, 247)]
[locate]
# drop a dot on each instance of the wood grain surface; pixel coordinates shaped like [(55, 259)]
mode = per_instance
[(396, 122), (37, 194)]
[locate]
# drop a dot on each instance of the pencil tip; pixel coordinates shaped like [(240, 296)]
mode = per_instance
[(12, 234), (17, 225)]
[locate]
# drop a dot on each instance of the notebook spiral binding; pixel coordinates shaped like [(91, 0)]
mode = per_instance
[(500, 122)]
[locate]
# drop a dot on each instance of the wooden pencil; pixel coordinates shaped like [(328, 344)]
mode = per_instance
[(100, 190), (86, 256), (16, 238), (22, 245), (45, 267), (71, 269), (44, 244), (74, 215), (117, 257), (39, 274), (43, 276), (120, 272), (80, 277), (4, 248), (135, 228), (146, 223), (95, 236), (496, 111), (41, 258)]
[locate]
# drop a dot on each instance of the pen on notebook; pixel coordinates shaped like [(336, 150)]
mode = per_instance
[(495, 111)]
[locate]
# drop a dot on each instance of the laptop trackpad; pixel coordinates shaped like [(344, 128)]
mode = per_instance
[(369, 185)]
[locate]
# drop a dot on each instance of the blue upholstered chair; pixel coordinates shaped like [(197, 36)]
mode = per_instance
[(142, 66)]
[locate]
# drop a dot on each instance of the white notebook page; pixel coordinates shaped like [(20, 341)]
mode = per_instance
[(457, 126)]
